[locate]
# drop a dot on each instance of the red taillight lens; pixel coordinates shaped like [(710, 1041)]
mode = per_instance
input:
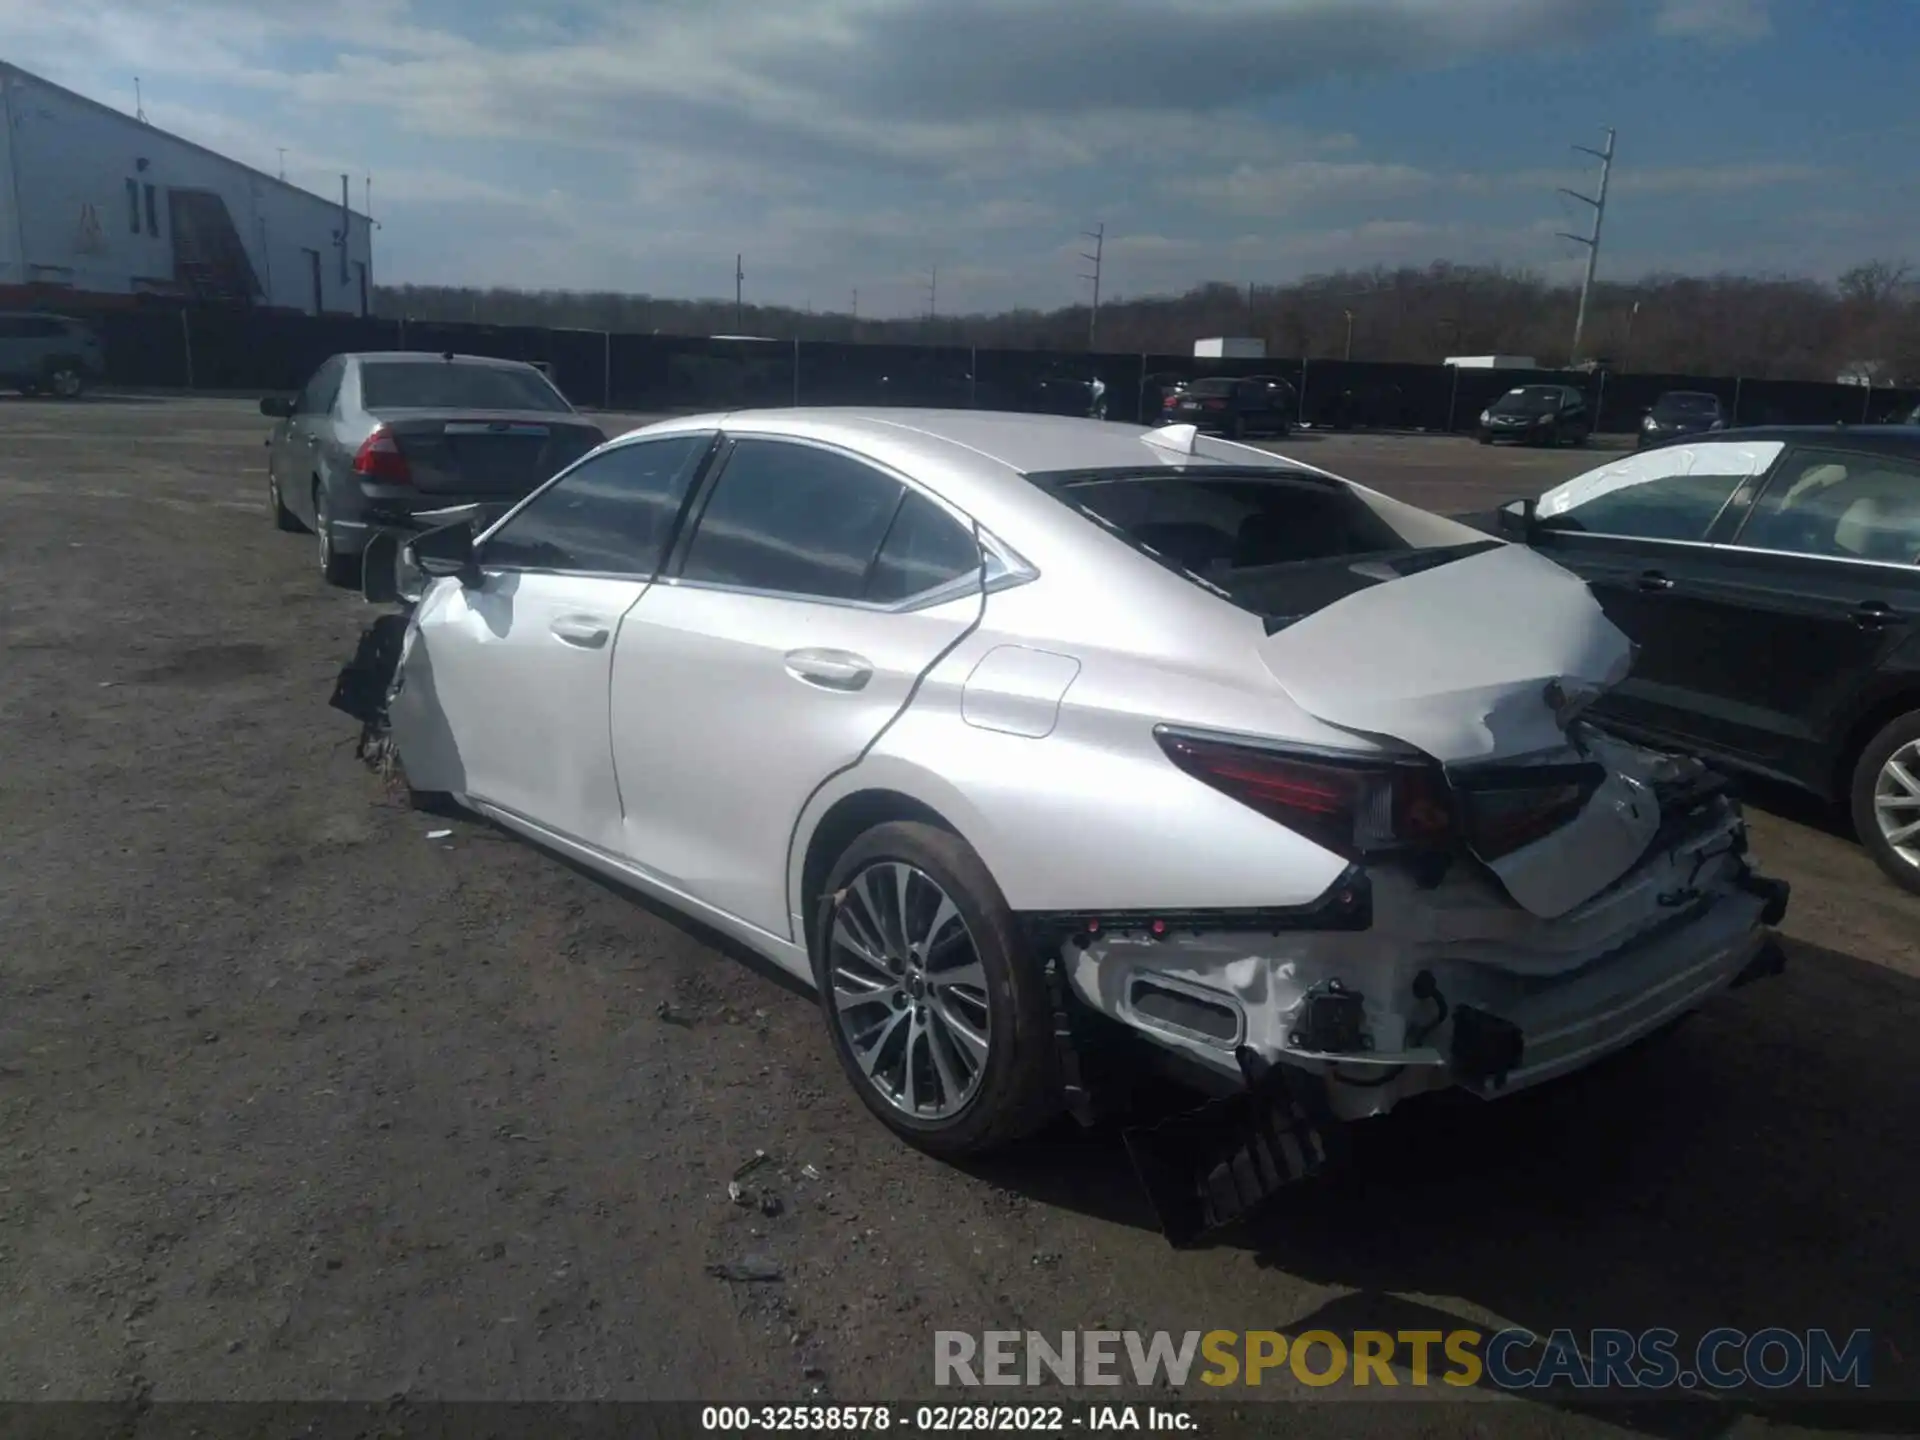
[(379, 458), (1215, 404), (1171, 401), (1353, 808)]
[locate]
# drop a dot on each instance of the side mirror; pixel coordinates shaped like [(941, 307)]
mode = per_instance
[(447, 551), (1515, 520), (276, 407)]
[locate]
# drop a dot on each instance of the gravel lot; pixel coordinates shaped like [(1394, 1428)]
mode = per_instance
[(298, 1103)]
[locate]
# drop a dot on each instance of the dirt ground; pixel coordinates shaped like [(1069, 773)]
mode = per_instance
[(299, 1102)]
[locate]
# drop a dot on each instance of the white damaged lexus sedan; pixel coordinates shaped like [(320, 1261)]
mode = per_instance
[(1031, 742)]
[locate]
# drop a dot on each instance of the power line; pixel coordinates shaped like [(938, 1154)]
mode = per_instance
[(1592, 242), (1099, 237)]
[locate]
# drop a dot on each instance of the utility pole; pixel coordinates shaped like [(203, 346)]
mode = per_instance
[(1099, 237), (933, 294), (1592, 242), (283, 162), (139, 106), (856, 302), (739, 279), (1349, 351)]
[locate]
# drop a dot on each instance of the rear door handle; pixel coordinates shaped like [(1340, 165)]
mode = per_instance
[(830, 669), (1874, 615), (589, 632), (1654, 580)]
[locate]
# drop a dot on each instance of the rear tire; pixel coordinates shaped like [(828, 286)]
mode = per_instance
[(283, 518), (335, 568), (914, 1030), (1883, 804)]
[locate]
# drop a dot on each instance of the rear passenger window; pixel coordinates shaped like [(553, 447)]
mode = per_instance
[(610, 515), (925, 548), (1841, 505), (793, 519)]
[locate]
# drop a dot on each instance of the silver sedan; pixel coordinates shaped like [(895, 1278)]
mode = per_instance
[(1027, 740)]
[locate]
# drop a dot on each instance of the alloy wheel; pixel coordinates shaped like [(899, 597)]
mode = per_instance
[(1896, 802), (65, 382), (909, 991)]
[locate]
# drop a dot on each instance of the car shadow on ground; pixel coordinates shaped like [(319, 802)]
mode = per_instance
[(89, 398), (1751, 1168)]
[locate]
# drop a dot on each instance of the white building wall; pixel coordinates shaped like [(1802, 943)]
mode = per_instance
[(66, 217)]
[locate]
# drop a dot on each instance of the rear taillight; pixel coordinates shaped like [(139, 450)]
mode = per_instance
[(379, 458), (1171, 401), (1510, 813), (1215, 404), (1354, 808)]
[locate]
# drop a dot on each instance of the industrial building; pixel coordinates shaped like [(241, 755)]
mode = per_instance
[(97, 205)]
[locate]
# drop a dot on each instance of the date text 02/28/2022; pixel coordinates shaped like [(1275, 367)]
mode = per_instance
[(943, 1419)]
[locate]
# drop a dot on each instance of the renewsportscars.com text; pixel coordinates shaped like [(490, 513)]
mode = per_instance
[(1723, 1359)]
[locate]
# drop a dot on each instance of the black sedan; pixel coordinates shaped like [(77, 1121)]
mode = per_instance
[(1537, 415), (1771, 578), (1678, 413), (1250, 405), (375, 439)]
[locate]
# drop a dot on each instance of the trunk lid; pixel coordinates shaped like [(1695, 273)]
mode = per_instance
[(501, 454), (1481, 664)]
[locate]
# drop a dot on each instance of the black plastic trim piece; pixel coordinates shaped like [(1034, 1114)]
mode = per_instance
[(1347, 905), (1775, 892)]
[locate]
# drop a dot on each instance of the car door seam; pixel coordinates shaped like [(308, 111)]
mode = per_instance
[(913, 692)]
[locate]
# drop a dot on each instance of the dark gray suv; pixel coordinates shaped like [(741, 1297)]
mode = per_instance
[(43, 354)]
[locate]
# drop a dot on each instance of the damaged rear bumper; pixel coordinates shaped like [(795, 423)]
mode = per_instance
[(1417, 990)]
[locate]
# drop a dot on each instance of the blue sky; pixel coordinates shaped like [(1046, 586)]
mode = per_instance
[(638, 144)]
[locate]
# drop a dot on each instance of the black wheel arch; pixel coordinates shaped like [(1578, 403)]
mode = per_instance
[(846, 820), (1872, 718)]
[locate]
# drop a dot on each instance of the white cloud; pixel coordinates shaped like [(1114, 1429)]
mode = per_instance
[(1722, 20)]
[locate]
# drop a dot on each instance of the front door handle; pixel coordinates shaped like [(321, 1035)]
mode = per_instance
[(1654, 580), (588, 632), (1873, 615), (830, 669)]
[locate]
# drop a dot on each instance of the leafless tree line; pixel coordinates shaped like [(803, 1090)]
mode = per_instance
[(1764, 327)]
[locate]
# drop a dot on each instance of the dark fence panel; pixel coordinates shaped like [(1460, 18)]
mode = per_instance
[(1048, 382), (254, 350), (579, 361), (886, 375), (1360, 395), (689, 373), (144, 347), (218, 349), (1794, 402)]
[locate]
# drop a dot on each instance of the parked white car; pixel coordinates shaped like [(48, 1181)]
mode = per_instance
[(1012, 732)]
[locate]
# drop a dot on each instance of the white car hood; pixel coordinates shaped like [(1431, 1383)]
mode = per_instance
[(1485, 658), (1455, 660)]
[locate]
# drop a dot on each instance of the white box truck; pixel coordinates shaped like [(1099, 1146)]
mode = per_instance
[(1225, 348)]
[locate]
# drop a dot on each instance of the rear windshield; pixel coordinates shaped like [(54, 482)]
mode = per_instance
[(1687, 403), (1279, 545), (1211, 387), (449, 385), (1528, 401)]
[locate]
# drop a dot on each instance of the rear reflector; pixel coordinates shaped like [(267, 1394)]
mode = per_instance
[(1354, 808), (379, 458)]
